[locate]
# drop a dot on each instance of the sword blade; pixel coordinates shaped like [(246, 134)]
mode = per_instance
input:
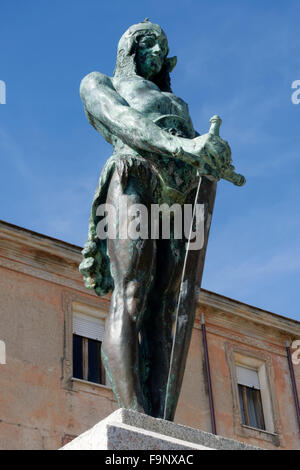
[(187, 300)]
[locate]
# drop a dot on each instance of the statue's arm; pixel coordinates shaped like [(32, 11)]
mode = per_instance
[(110, 113)]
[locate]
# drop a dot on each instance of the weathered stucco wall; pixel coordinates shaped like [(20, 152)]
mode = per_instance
[(41, 407)]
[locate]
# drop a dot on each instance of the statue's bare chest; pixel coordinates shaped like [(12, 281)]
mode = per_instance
[(171, 114), (148, 99)]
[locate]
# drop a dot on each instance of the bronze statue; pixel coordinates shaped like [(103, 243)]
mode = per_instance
[(158, 158)]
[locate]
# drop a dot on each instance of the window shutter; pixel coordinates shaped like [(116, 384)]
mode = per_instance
[(248, 377), (88, 326)]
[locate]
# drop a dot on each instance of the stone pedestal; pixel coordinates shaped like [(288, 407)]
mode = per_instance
[(128, 430)]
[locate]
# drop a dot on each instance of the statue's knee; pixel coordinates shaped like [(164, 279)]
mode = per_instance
[(134, 302)]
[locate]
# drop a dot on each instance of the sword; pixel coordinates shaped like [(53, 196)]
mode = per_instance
[(190, 285)]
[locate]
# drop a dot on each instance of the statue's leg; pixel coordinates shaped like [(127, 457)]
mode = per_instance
[(132, 267), (160, 321), (157, 328)]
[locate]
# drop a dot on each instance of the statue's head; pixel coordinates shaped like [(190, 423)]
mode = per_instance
[(143, 51)]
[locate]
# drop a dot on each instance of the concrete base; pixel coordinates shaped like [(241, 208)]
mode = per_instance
[(129, 430)]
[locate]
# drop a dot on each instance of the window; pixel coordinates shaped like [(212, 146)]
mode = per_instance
[(255, 366), (250, 397), (88, 333)]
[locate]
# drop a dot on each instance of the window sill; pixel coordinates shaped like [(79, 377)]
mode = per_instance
[(79, 385), (268, 433), (261, 434)]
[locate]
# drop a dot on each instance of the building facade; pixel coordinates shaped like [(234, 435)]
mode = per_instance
[(53, 386)]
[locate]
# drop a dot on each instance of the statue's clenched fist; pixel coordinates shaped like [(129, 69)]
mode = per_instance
[(214, 155)]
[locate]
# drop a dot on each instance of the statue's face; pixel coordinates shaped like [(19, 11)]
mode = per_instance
[(151, 53)]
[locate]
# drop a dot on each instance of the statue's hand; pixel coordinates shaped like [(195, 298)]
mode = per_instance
[(214, 151), (210, 154), (216, 154)]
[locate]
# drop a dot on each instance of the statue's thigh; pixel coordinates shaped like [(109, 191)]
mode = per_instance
[(171, 255), (170, 260), (131, 259)]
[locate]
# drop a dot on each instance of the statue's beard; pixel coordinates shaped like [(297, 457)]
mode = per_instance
[(152, 66)]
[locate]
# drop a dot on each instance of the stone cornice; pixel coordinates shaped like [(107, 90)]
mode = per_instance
[(20, 237), (247, 312), (41, 256), (56, 261)]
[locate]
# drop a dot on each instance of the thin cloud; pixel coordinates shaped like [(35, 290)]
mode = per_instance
[(12, 155)]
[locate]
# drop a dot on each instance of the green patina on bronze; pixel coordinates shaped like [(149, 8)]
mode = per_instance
[(158, 158)]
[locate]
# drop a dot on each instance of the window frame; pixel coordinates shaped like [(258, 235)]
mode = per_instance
[(71, 301), (244, 391), (85, 358), (258, 364), (261, 361)]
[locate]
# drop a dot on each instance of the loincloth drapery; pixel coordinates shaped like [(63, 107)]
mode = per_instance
[(160, 179)]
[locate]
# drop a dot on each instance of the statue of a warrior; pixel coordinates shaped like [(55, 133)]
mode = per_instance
[(158, 158)]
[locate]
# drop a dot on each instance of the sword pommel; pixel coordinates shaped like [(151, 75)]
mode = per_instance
[(215, 123)]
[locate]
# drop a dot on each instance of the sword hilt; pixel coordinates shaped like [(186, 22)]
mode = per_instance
[(229, 174), (215, 123)]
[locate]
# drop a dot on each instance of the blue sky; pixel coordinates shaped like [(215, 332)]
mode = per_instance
[(236, 58)]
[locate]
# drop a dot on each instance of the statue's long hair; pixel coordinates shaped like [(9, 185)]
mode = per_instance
[(126, 62)]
